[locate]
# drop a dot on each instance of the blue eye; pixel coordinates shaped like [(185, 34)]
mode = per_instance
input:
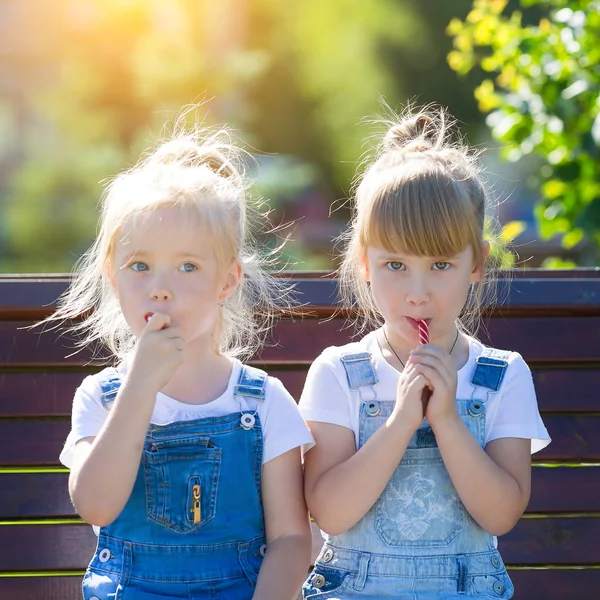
[(395, 265), (188, 267), (441, 266), (139, 267)]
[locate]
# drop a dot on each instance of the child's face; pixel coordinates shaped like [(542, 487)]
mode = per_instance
[(408, 288), (166, 263)]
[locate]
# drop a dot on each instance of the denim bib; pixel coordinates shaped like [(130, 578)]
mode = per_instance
[(193, 526), (417, 541)]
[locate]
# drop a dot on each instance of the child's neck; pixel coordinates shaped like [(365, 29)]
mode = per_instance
[(203, 377)]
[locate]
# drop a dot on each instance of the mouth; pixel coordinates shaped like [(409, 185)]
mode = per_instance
[(414, 323), (148, 316)]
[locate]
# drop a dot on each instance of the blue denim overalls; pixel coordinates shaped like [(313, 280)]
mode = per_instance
[(418, 541), (193, 526)]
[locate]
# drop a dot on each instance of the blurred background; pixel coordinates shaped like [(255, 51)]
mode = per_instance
[(86, 85)]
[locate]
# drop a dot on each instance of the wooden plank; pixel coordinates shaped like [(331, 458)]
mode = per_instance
[(549, 584), (50, 393), (547, 541), (34, 496), (552, 541), (564, 489), (574, 289), (42, 394), (41, 588), (301, 340), (556, 584), (47, 393), (46, 547), (39, 442), (45, 495), (564, 390)]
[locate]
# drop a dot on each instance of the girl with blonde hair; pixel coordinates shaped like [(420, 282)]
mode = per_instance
[(185, 460), (423, 435)]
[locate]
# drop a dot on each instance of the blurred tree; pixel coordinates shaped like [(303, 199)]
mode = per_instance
[(298, 77), (126, 67), (543, 100)]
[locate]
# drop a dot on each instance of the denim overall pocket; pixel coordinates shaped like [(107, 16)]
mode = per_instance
[(419, 506), (181, 477)]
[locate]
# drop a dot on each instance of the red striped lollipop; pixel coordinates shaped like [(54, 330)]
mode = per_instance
[(423, 332)]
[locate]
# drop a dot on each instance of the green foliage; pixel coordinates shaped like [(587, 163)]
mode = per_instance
[(299, 77), (540, 88)]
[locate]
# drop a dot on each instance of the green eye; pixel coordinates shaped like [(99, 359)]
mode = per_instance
[(395, 265), (441, 266)]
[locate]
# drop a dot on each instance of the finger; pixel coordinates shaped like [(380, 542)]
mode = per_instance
[(442, 366), (157, 322), (433, 376), (419, 383)]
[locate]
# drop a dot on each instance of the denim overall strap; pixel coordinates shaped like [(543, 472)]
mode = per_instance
[(360, 373), (251, 383), (110, 382), (490, 368)]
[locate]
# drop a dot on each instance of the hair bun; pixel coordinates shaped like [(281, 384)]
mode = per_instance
[(418, 132), (188, 153)]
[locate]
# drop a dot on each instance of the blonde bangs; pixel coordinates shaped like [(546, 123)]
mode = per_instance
[(427, 214)]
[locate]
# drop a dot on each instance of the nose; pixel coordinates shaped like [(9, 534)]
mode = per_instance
[(418, 292), (160, 292)]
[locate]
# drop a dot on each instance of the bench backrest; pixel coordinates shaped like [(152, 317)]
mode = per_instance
[(552, 318)]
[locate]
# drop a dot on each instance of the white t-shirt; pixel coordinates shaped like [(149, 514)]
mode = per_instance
[(512, 412), (282, 426)]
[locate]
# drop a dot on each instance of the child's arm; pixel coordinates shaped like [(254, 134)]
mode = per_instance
[(494, 485), (105, 467), (341, 483), (287, 559)]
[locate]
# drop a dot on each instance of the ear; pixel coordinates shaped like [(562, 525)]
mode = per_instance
[(478, 266), (109, 273), (364, 267), (232, 280)]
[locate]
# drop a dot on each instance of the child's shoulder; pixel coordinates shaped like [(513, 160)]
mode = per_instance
[(333, 354), (478, 349), (516, 367)]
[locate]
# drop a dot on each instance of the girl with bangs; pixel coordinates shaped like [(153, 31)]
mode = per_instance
[(423, 434), (185, 460)]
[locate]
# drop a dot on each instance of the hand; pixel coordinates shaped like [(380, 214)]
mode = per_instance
[(158, 354), (434, 363), (412, 386)]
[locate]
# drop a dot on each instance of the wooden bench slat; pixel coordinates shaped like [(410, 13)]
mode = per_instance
[(50, 394), (301, 340), (549, 584), (548, 541), (35, 496), (522, 289), (41, 588), (555, 584), (45, 495), (575, 438)]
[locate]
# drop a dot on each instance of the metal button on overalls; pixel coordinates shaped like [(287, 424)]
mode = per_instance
[(327, 555), (248, 421), (318, 581), (104, 555), (499, 588)]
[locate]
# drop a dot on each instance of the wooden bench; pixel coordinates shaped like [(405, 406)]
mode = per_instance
[(552, 318)]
